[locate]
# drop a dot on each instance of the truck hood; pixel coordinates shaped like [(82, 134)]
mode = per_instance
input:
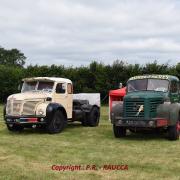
[(145, 95), (30, 95)]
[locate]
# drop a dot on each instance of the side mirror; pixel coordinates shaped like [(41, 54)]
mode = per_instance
[(120, 85)]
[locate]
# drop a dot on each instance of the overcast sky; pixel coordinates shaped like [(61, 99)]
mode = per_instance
[(75, 32)]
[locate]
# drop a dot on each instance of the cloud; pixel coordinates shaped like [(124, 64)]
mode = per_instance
[(74, 32)]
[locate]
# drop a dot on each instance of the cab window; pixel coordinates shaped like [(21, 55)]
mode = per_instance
[(69, 88), (174, 87), (61, 88)]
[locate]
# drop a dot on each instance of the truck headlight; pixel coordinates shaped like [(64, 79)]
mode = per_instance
[(151, 123), (40, 112)]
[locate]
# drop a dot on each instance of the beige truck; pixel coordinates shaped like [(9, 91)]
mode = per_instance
[(49, 102)]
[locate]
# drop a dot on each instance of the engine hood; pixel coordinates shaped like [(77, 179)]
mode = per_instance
[(30, 95)]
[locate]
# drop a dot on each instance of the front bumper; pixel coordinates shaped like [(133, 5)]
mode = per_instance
[(25, 119), (149, 123)]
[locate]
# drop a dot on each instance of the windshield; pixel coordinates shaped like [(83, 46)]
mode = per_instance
[(148, 85), (37, 86)]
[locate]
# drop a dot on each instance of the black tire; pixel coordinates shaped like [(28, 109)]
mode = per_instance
[(173, 132), (14, 127), (84, 122), (57, 124), (93, 118), (119, 131)]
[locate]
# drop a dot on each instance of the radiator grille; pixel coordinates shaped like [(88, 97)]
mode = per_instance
[(13, 107), (153, 106), (29, 107), (8, 107), (17, 108), (131, 108)]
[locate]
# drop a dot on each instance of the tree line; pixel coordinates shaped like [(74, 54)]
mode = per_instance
[(96, 77)]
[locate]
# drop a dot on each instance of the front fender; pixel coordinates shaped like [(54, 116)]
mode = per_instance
[(41, 107), (116, 112), (169, 112), (52, 108)]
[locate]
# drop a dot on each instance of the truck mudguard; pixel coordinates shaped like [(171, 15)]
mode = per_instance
[(117, 111), (170, 112), (52, 108)]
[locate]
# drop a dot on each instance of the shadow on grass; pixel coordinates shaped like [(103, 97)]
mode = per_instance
[(148, 136), (28, 131), (103, 131)]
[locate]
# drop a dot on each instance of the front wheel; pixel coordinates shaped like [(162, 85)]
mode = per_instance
[(173, 132), (57, 124), (119, 131), (14, 127)]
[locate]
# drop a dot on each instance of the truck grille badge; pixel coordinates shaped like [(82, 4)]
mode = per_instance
[(141, 108)]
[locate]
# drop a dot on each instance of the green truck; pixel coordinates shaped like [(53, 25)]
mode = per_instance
[(152, 102)]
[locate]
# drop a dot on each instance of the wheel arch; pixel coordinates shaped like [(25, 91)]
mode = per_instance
[(52, 108), (171, 112), (62, 109), (117, 111)]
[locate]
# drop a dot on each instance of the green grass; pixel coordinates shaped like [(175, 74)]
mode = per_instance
[(31, 153)]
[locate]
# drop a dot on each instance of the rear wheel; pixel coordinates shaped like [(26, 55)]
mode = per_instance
[(93, 118), (14, 127), (119, 131), (84, 122), (57, 124), (173, 131)]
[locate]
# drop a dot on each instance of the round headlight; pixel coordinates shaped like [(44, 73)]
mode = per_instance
[(151, 123), (40, 112)]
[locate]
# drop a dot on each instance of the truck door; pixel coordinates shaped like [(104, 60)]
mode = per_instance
[(61, 96)]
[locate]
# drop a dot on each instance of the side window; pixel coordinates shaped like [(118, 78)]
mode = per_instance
[(69, 88), (61, 88), (174, 87)]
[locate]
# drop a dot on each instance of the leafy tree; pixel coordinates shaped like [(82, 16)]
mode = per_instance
[(10, 78), (155, 68), (12, 57)]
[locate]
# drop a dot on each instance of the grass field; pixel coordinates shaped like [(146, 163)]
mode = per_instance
[(31, 153)]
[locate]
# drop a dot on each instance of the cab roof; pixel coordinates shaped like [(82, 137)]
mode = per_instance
[(52, 79), (155, 76)]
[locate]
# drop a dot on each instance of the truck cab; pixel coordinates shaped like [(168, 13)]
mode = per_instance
[(151, 102), (48, 102)]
